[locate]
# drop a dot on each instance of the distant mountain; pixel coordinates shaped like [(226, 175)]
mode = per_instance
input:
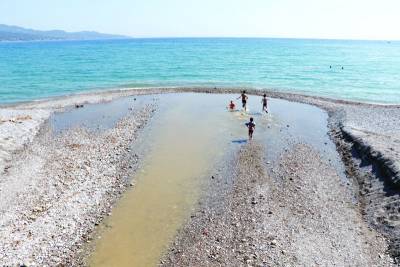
[(15, 33)]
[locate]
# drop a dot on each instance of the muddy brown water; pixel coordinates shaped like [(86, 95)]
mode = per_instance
[(189, 134), (184, 142)]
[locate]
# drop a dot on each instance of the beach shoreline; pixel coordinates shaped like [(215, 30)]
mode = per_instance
[(344, 115), (376, 139), (96, 96)]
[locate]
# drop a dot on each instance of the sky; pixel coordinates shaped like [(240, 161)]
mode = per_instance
[(330, 19)]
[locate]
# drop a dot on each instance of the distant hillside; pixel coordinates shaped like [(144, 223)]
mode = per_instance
[(15, 33)]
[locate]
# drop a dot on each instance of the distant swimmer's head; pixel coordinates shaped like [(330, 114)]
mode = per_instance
[(251, 119)]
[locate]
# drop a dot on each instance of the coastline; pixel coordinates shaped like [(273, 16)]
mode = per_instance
[(376, 138), (345, 116), (96, 96)]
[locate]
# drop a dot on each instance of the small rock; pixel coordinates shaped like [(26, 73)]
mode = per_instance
[(246, 258)]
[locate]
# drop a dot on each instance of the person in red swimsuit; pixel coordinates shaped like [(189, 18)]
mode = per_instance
[(231, 105)]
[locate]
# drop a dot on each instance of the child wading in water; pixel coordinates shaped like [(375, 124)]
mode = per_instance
[(231, 106), (244, 100), (264, 103), (251, 126)]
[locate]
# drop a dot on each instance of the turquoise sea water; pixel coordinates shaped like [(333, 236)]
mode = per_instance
[(371, 69)]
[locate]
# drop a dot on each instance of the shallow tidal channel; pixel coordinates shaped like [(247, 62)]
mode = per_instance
[(189, 135)]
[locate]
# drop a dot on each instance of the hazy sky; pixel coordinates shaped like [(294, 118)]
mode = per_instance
[(350, 19)]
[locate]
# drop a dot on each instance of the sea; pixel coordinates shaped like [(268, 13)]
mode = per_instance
[(363, 71)]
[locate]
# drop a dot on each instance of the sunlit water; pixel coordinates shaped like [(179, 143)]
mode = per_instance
[(371, 69)]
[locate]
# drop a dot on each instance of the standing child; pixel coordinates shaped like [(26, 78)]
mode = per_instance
[(251, 126), (264, 103)]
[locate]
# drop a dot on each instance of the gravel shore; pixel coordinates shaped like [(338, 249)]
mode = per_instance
[(60, 187), (54, 190), (298, 216)]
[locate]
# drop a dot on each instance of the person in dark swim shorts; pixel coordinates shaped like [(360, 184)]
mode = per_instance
[(251, 126), (244, 98), (264, 102)]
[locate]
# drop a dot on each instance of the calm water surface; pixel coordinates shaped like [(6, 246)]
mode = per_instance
[(371, 69)]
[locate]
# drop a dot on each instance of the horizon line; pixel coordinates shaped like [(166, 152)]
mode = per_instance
[(260, 37), (216, 37)]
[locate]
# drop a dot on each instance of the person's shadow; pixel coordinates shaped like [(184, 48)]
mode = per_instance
[(240, 141)]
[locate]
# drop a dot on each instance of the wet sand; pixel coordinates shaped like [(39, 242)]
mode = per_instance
[(30, 235)]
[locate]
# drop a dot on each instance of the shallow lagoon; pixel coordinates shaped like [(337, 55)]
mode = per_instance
[(188, 136)]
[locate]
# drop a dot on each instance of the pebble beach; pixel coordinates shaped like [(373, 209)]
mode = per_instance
[(296, 208)]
